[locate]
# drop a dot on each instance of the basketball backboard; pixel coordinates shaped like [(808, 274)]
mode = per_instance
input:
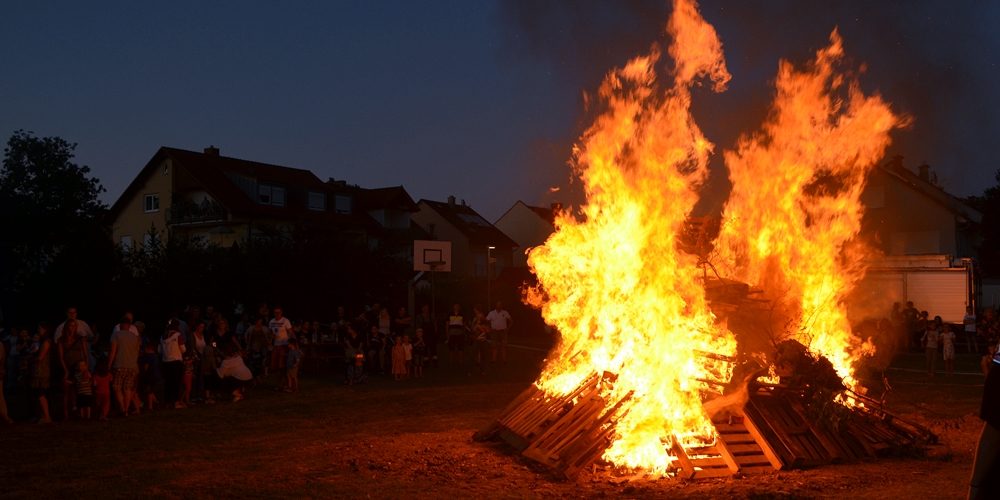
[(431, 255)]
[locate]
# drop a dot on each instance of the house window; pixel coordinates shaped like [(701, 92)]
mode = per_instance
[(152, 203), (342, 204), (126, 243), (317, 201), (149, 240), (271, 195)]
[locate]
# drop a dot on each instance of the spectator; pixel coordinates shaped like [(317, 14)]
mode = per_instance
[(84, 385), (234, 375), (281, 329), (188, 379), (41, 372), (172, 353), (124, 361), (408, 354), (378, 347), (258, 339), (102, 390), (150, 375), (83, 329), (425, 321), (354, 357), (930, 341), (988, 449), (969, 324), (292, 366), (500, 322), (384, 322), (419, 353), (197, 343), (402, 323), (947, 345), (4, 417), (72, 348), (398, 359), (456, 334), (209, 378), (482, 338)]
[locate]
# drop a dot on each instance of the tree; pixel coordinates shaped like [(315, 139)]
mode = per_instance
[(989, 248), (52, 218)]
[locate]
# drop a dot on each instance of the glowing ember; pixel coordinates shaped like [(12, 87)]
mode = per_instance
[(628, 302)]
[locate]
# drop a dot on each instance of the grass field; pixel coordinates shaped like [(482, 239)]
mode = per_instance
[(389, 439)]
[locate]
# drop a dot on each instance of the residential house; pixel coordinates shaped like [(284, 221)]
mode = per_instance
[(528, 226), (224, 201), (475, 242)]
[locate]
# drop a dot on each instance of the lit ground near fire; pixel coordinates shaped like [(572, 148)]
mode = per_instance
[(413, 439)]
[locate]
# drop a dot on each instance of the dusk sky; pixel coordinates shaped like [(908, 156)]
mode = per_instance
[(473, 98)]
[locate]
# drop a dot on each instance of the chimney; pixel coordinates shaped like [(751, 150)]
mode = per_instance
[(925, 172), (212, 151), (451, 201)]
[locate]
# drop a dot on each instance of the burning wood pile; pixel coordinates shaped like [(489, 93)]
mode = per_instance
[(650, 374)]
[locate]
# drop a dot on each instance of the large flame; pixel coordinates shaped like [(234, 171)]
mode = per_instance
[(795, 203), (627, 301)]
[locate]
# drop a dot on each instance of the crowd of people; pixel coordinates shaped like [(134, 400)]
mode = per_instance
[(918, 331), (72, 372)]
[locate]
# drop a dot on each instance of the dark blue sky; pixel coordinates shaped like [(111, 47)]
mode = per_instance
[(472, 98)]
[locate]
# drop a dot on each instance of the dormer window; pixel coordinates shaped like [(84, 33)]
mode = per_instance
[(317, 201), (271, 195), (342, 203)]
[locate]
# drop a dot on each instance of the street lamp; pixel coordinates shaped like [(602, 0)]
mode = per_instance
[(489, 275)]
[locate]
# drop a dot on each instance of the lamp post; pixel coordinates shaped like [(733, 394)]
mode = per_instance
[(489, 275)]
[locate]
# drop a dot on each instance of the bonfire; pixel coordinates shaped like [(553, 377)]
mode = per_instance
[(643, 376)]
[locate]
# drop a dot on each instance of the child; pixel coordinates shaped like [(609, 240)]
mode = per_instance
[(149, 374), (948, 345), (84, 389), (419, 353), (102, 389), (408, 350), (292, 366), (930, 341), (398, 359), (188, 380)]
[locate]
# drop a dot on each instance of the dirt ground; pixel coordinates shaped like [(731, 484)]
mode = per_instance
[(413, 438)]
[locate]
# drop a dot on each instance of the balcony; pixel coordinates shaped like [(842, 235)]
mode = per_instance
[(190, 212)]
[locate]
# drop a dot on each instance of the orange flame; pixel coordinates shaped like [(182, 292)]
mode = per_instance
[(628, 302), (795, 203)]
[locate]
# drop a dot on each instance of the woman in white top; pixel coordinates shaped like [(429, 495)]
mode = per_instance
[(172, 355)]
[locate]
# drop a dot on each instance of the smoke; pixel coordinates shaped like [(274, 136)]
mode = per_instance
[(936, 63)]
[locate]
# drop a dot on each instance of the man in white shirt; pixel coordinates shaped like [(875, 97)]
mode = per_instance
[(500, 322), (281, 330), (82, 328)]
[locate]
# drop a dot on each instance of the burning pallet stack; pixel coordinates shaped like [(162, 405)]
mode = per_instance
[(774, 430)]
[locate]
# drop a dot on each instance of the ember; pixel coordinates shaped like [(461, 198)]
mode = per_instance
[(641, 379)]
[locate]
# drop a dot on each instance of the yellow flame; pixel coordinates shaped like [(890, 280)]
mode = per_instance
[(625, 299)]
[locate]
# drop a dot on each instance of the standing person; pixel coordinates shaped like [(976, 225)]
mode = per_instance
[(354, 357), (500, 322), (984, 483), (969, 328), (398, 359), (82, 328), (419, 353), (281, 329), (402, 323), (483, 339), (456, 334), (930, 341), (258, 339), (377, 347), (84, 385), (947, 346), (150, 375), (124, 361), (172, 356), (408, 354), (4, 417), (197, 343), (41, 372), (425, 321), (72, 348), (292, 366), (102, 390)]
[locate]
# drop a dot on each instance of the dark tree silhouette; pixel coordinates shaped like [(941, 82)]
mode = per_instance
[(52, 245), (989, 249)]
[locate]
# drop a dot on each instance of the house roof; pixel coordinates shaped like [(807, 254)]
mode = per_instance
[(894, 168), (216, 175), (394, 197), (470, 223)]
